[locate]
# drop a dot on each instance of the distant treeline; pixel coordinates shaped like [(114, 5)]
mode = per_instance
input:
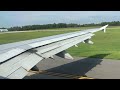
[(2, 28), (60, 25)]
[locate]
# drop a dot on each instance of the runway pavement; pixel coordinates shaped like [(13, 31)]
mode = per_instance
[(59, 68), (34, 31)]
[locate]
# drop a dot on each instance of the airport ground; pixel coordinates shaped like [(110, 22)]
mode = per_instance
[(91, 68), (104, 43), (100, 60)]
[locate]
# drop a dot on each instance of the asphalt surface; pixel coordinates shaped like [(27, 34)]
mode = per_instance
[(80, 66)]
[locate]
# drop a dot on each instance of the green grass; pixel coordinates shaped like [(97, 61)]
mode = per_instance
[(15, 37), (68, 29), (106, 45)]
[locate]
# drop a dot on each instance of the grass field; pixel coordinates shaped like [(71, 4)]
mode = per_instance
[(14, 37), (104, 43)]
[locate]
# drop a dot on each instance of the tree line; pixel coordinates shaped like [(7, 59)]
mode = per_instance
[(60, 25)]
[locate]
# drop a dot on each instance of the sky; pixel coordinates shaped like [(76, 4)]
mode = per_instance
[(22, 18)]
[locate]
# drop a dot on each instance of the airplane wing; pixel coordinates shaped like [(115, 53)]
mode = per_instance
[(16, 59)]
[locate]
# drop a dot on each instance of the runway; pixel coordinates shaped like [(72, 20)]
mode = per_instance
[(34, 31), (59, 68)]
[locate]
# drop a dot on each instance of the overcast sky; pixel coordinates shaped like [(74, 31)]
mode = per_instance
[(21, 18)]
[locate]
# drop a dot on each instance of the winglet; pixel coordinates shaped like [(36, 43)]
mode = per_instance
[(104, 28)]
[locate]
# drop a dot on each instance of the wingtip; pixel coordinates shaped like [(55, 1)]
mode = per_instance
[(107, 25), (104, 28)]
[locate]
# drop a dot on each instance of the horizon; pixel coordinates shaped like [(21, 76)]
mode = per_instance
[(56, 23), (22, 18)]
